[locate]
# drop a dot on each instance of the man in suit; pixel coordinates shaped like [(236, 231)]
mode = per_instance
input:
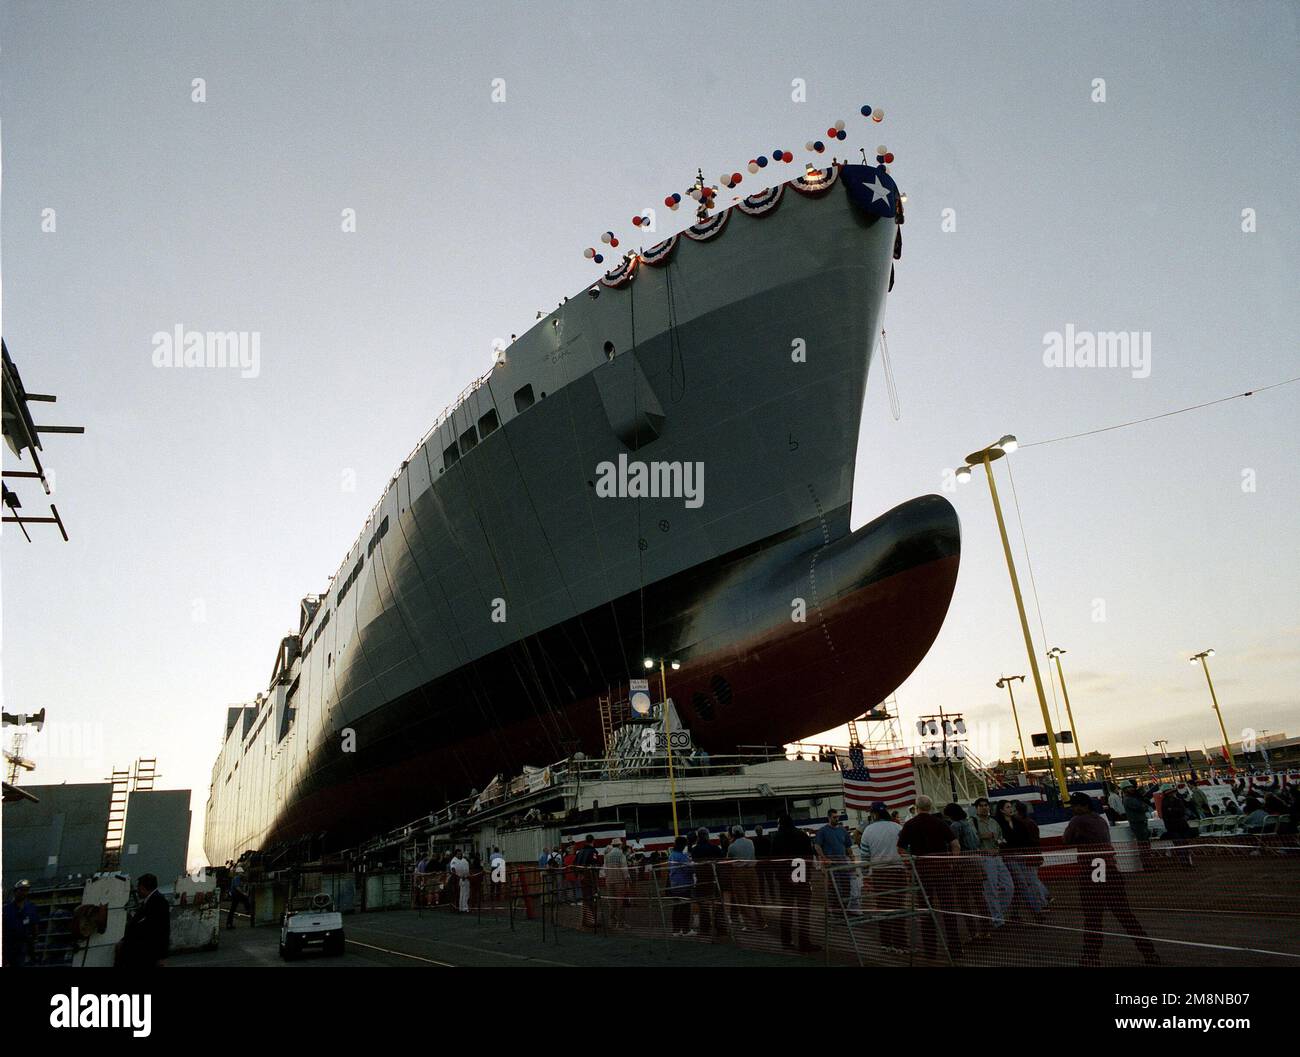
[(148, 932)]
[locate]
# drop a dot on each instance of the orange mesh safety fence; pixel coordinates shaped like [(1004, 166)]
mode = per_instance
[(1214, 903)]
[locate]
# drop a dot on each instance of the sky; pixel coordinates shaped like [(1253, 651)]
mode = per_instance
[(203, 505)]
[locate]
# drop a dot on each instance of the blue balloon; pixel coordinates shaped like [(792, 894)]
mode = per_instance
[(880, 158), (866, 111), (762, 161), (676, 197), (841, 134), (819, 146), (600, 258)]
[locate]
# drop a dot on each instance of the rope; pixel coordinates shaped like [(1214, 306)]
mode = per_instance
[(1167, 414), (895, 407), (1024, 541)]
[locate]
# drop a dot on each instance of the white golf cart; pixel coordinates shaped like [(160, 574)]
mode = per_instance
[(310, 922)]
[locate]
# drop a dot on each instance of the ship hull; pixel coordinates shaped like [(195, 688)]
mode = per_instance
[(496, 592), (751, 674)]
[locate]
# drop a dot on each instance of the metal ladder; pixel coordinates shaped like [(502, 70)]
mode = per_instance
[(112, 856), (607, 723)]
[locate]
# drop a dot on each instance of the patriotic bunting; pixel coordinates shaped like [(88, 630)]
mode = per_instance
[(659, 254), (708, 229), (756, 205), (620, 276)]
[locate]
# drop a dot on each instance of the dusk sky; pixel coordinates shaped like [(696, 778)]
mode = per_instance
[(202, 506)]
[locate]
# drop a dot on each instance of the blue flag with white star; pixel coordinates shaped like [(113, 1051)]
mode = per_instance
[(871, 188)]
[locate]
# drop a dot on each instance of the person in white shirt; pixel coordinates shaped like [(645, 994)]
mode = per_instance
[(616, 877), (496, 871), (460, 869), (879, 846)]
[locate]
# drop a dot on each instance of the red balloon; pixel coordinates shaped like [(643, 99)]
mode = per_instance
[(636, 222), (787, 156), (889, 157), (735, 178), (669, 201), (613, 242)]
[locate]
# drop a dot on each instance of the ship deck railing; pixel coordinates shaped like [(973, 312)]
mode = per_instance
[(558, 778)]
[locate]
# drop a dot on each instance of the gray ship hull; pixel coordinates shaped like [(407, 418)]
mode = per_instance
[(494, 593)]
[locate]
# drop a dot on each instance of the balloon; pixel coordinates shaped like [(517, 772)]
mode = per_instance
[(600, 258), (877, 116), (888, 157), (839, 126), (830, 132), (866, 111), (819, 146), (881, 149), (676, 197), (880, 158), (762, 162), (669, 202), (614, 243), (777, 155), (841, 134), (589, 253), (606, 237), (753, 166), (787, 156), (735, 177), (636, 222)]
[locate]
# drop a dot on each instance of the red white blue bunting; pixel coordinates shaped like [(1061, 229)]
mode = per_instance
[(762, 202), (818, 182), (709, 229), (620, 276), (658, 254)]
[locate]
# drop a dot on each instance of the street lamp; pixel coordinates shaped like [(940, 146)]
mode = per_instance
[(987, 457), (1227, 748), (668, 730), (1006, 681), (1055, 653)]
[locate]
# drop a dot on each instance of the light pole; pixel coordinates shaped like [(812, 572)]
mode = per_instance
[(1227, 748), (987, 457), (1163, 745), (1055, 653), (1006, 681), (951, 730), (668, 732)]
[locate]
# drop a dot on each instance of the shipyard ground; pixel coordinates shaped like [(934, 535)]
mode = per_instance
[(408, 938)]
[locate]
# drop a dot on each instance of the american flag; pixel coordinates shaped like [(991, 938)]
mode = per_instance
[(886, 776)]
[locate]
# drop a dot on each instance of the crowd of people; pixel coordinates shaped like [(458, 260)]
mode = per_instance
[(971, 870)]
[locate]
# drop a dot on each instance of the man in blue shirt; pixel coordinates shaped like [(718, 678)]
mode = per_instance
[(832, 844), (20, 921)]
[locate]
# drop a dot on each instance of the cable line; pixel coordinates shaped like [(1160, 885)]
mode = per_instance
[(1167, 414)]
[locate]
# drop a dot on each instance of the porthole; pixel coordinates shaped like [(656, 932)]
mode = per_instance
[(721, 690), (703, 705)]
